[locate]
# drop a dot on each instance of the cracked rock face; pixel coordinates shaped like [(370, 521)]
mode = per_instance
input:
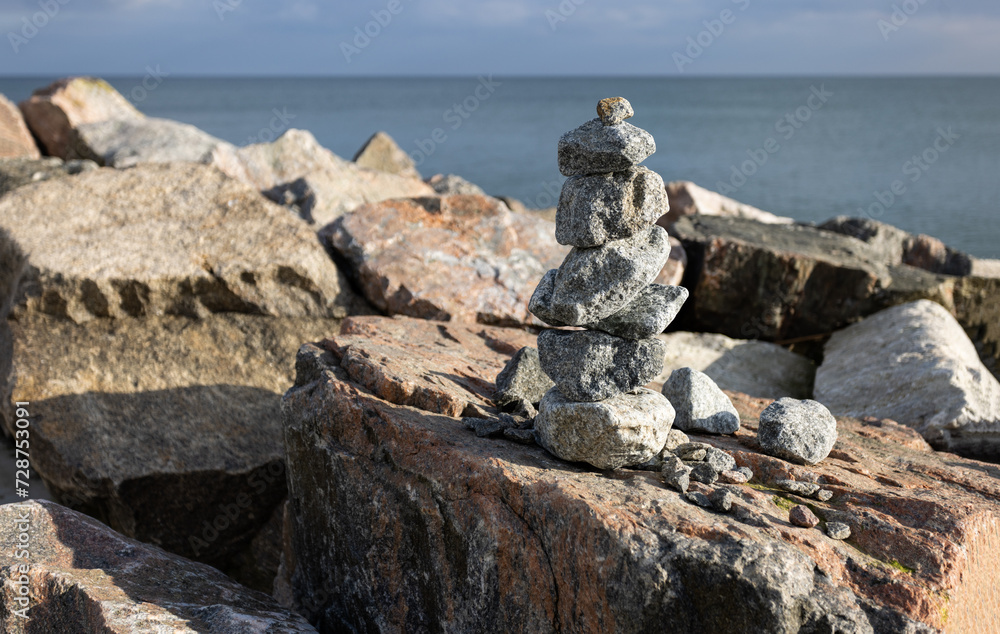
[(162, 239), (464, 258)]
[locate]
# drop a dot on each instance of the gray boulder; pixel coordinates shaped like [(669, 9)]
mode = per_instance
[(592, 366), (701, 406), (522, 379), (127, 142), (914, 364), (595, 148), (624, 430), (901, 247), (594, 210), (803, 432), (592, 284)]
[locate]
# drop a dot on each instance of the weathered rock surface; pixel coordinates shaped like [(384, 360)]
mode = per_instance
[(522, 379), (592, 284), (16, 173), (454, 185), (84, 577), (897, 246), (165, 428), (475, 244), (380, 152), (757, 368), (614, 110), (54, 111), (464, 532), (594, 210), (774, 282), (701, 406), (296, 171), (673, 271), (595, 148), (913, 363), (588, 365), (799, 431), (687, 199), (128, 142), (167, 239), (15, 140), (626, 429)]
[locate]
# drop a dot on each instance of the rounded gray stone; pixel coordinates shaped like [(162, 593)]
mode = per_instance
[(625, 430), (838, 530), (803, 432), (595, 148), (592, 366), (594, 283), (701, 405), (806, 489), (594, 210), (720, 460), (614, 110)]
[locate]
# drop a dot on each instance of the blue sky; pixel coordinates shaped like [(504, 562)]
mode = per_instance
[(504, 37)]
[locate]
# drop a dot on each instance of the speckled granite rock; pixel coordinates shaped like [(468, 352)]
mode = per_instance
[(128, 142), (592, 284), (595, 148), (588, 365), (700, 404), (614, 110), (626, 429), (82, 576), (799, 431), (18, 172), (594, 210), (522, 379)]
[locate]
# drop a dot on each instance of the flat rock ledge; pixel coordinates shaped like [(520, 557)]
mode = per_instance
[(401, 519), (84, 577)]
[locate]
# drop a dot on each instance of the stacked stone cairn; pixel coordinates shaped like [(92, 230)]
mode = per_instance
[(599, 412)]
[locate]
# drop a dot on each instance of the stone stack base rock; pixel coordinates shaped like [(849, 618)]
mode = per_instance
[(598, 412)]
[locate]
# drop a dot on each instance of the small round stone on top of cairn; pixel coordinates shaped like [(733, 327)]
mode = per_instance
[(599, 412)]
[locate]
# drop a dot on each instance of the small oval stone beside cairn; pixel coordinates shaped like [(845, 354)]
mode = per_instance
[(598, 412)]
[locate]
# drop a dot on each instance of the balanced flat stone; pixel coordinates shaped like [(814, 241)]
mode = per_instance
[(803, 432), (614, 110), (647, 315), (595, 148), (589, 365), (592, 284), (914, 364), (594, 210), (701, 406), (625, 430)]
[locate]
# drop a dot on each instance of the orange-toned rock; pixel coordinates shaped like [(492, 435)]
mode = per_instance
[(15, 140), (401, 519), (462, 258), (54, 111)]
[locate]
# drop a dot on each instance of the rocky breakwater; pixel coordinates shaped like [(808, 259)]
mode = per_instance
[(598, 412)]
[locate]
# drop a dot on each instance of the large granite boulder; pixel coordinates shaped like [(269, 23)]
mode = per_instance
[(757, 368), (753, 280), (380, 152), (53, 112), (81, 576), (914, 364), (167, 239), (464, 258), (296, 171), (686, 199), (402, 519), (15, 140), (165, 428), (127, 142)]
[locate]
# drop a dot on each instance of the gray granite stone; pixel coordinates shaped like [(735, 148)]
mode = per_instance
[(625, 430), (700, 404), (614, 110), (807, 489), (675, 439), (722, 500), (595, 283), (647, 315), (803, 432), (594, 210), (592, 366), (595, 148), (521, 379), (720, 460), (699, 499), (838, 530)]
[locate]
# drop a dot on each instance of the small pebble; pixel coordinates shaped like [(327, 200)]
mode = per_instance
[(800, 515), (614, 110), (704, 473), (699, 498), (486, 427), (522, 408), (719, 459), (722, 500), (734, 477), (675, 438), (522, 436), (824, 495), (693, 450), (801, 488), (676, 475), (838, 530), (747, 471)]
